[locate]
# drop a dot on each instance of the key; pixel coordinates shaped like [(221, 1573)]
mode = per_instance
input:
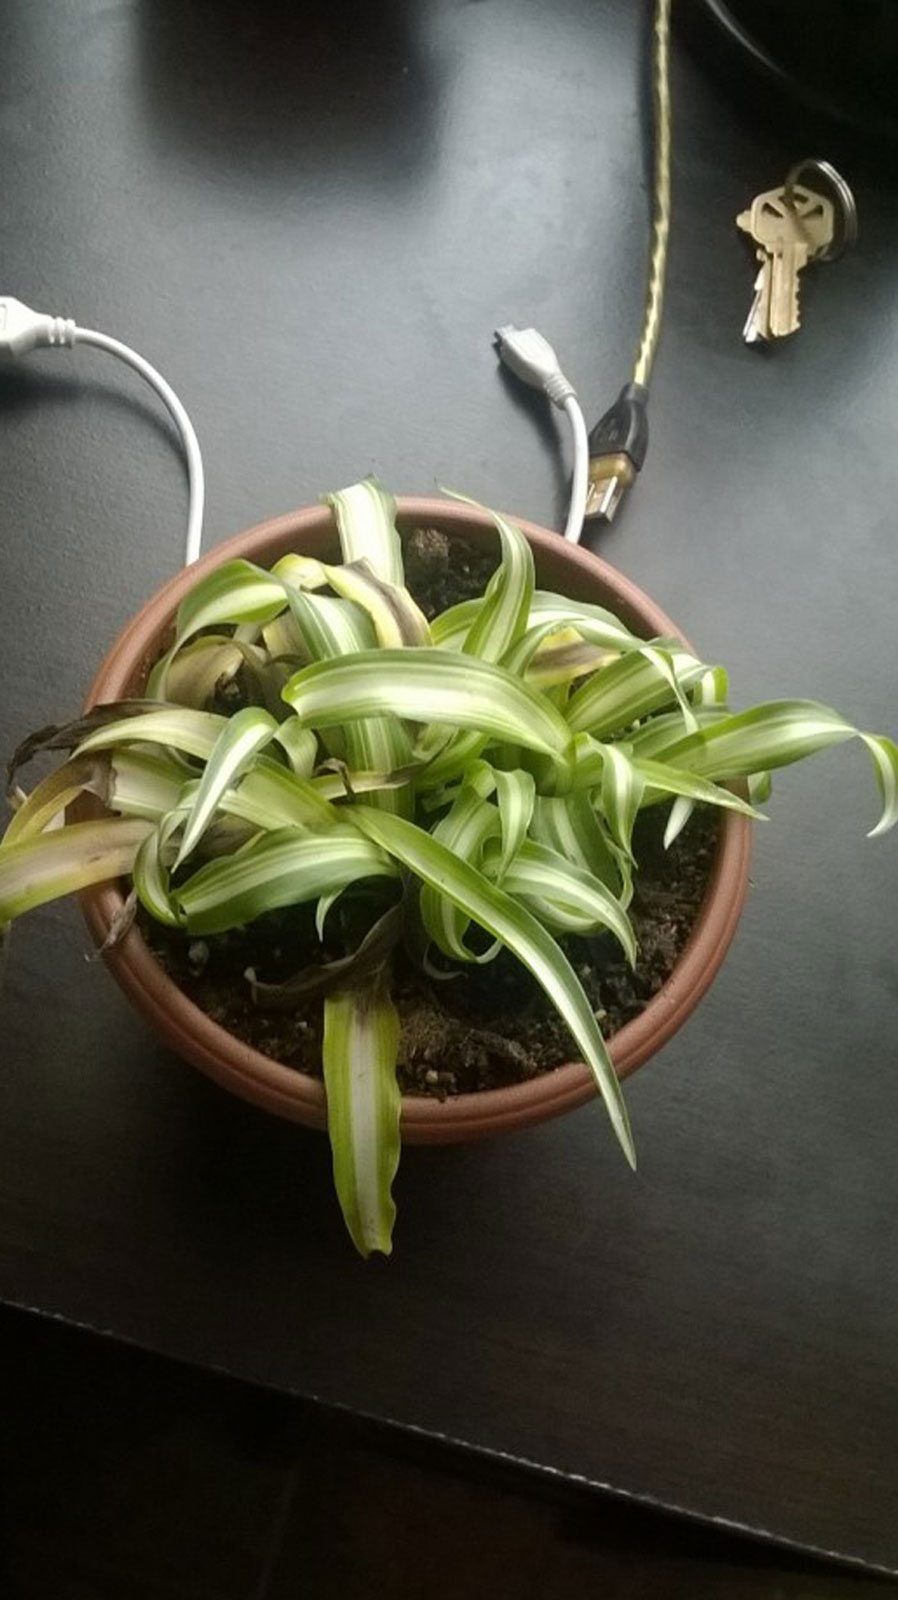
[(757, 325), (791, 234)]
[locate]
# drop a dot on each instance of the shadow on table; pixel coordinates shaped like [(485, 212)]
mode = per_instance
[(285, 90)]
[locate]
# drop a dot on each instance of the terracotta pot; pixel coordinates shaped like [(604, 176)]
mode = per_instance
[(292, 1094)]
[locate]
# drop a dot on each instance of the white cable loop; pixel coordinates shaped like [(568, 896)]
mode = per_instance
[(580, 476), (195, 475)]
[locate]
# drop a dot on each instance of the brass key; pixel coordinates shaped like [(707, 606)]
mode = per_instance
[(790, 235)]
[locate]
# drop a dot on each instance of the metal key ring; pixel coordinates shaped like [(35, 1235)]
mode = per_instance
[(847, 204)]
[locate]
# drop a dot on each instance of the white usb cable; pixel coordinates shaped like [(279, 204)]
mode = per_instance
[(22, 329), (531, 358)]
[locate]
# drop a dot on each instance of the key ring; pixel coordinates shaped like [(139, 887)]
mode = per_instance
[(843, 194)]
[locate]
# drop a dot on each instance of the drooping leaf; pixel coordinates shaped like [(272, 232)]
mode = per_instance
[(48, 800), (280, 868), (189, 675), (65, 860), (429, 686), (237, 591), (67, 735), (777, 734), (395, 616), (563, 658), (505, 919), (662, 779), (283, 640), (360, 1046), (195, 732)]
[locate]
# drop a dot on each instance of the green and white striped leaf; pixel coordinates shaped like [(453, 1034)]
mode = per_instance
[(631, 688), (515, 793), (450, 629), (49, 798), (342, 783), (361, 1043), (65, 860), (777, 734), (429, 686), (470, 822), (146, 783), (299, 745), (282, 868), (711, 692), (236, 592), (334, 629), (566, 896), (299, 572), (659, 734), (621, 795), (549, 613), (569, 825), (713, 689), (153, 868), (283, 640), (195, 732), (242, 737), (502, 617), (546, 607), (506, 919), (330, 628), (885, 764), (366, 523), (268, 796), (663, 780), (440, 766), (396, 618)]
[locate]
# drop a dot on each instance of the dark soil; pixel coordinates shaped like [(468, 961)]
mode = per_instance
[(487, 1025)]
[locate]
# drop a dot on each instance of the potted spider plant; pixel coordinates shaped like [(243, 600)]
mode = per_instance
[(312, 799)]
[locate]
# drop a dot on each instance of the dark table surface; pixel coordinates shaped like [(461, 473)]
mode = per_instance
[(312, 218)]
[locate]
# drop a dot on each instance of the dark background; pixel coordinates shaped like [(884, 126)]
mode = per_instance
[(312, 218)]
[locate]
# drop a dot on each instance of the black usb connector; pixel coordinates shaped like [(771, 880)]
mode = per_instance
[(617, 448)]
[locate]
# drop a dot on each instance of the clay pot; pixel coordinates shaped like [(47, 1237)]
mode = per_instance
[(289, 1093)]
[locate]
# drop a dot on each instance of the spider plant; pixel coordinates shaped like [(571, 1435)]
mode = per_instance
[(432, 783)]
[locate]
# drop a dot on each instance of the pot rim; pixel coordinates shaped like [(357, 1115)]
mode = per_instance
[(291, 1093)]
